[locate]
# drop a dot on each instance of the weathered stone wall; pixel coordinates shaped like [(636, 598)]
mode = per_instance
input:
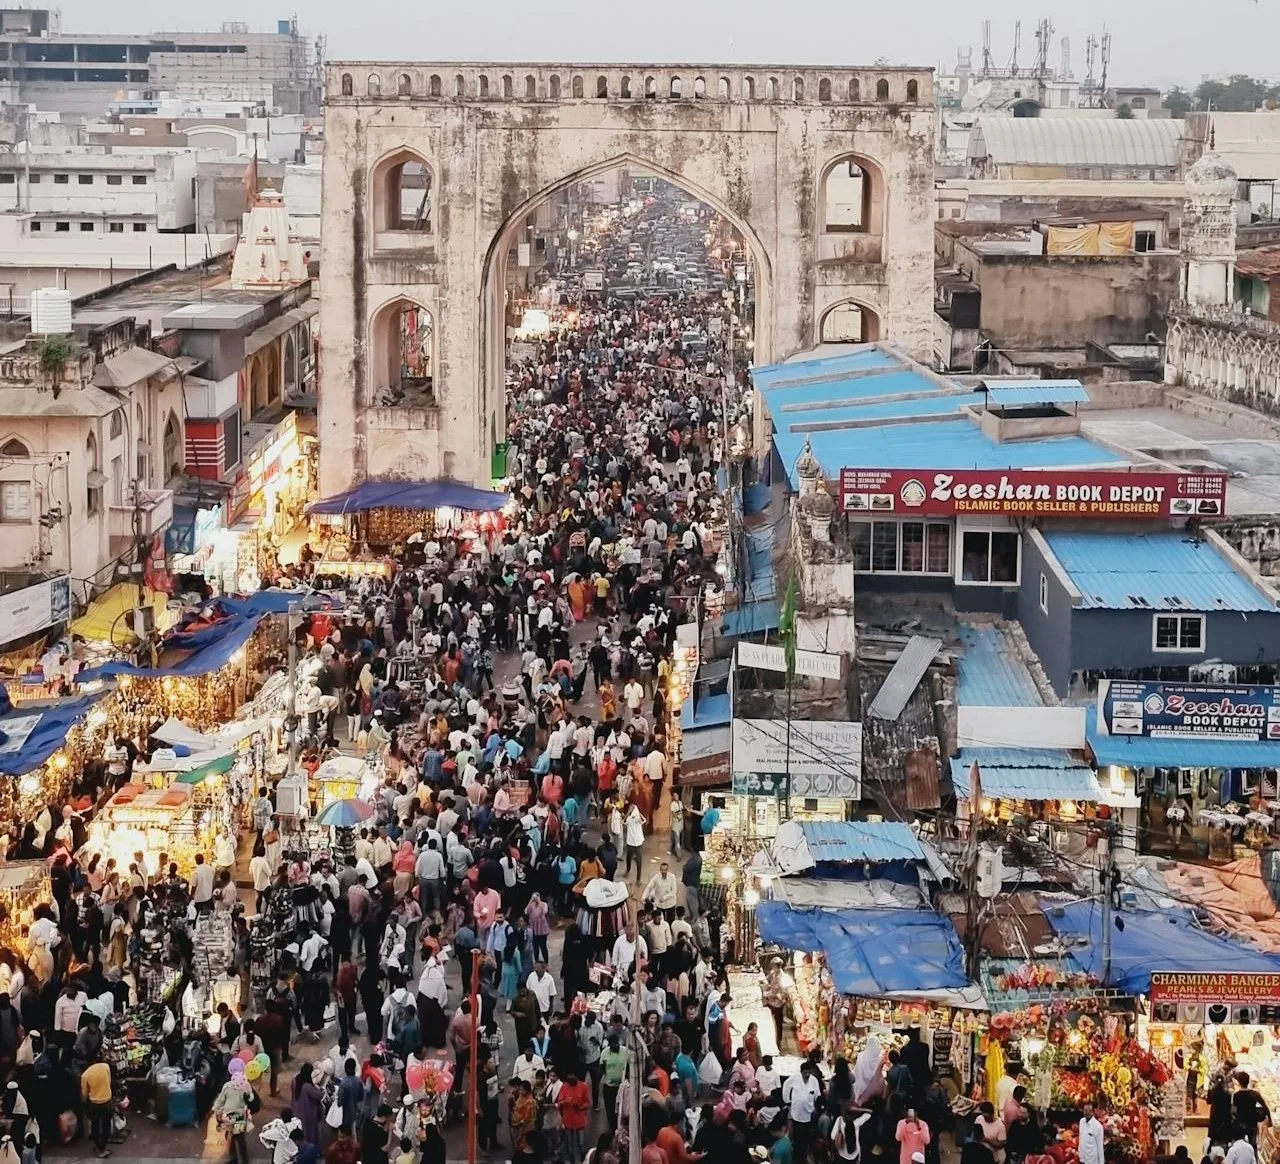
[(1226, 355), (761, 159)]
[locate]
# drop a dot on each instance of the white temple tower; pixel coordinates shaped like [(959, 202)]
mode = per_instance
[(1208, 237)]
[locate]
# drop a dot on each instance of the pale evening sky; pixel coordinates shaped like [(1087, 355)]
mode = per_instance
[(1170, 43)]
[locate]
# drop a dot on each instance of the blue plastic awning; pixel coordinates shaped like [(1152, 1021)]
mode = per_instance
[(750, 619), (1034, 780), (1019, 393), (409, 495), (48, 735), (1151, 943), (1182, 752), (707, 711), (871, 952)]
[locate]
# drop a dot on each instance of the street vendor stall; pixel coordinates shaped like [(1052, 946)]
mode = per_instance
[(138, 819)]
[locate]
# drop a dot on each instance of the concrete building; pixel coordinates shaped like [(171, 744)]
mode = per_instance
[(80, 73), (760, 144), (86, 261), (89, 444), (96, 189), (232, 129), (1048, 289)]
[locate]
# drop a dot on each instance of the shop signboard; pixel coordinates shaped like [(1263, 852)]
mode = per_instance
[(1200, 710), (1032, 493), (819, 664), (823, 757), (31, 609), (1242, 999)]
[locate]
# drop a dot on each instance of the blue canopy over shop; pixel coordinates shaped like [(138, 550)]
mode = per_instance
[(32, 735), (871, 952), (408, 495), (1144, 942)]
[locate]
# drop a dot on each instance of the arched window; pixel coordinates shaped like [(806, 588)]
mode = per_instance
[(93, 475), (602, 87), (531, 88), (797, 89), (726, 90), (882, 89), (849, 323), (824, 89), (508, 87), (484, 86), (577, 87), (651, 88), (374, 85), (913, 91), (115, 429), (348, 87), (625, 90), (290, 365), (402, 184), (404, 85), (675, 88), (555, 88), (459, 86), (434, 85), (1136, 103), (14, 448), (402, 343), (855, 89), (848, 195), (699, 87), (774, 88), (749, 88), (173, 447)]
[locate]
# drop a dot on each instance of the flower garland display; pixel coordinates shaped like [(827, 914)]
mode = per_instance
[(1036, 976)]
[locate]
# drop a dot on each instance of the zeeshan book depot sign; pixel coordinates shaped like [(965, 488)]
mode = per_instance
[(1032, 493)]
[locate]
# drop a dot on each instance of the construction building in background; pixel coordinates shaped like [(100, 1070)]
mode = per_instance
[(79, 74)]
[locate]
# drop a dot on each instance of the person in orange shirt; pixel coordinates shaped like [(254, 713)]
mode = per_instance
[(673, 1146)]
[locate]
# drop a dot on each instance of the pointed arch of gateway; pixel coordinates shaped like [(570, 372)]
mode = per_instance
[(494, 269)]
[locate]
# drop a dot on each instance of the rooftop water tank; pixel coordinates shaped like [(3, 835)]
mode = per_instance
[(50, 311)]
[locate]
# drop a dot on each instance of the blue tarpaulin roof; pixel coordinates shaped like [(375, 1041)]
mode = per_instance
[(1182, 752), (1153, 942), (216, 644), (749, 619), (47, 736), (711, 710), (408, 495), (871, 952)]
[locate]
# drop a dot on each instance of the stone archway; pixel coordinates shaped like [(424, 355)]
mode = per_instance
[(493, 278)]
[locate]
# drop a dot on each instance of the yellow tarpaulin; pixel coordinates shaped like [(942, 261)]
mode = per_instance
[(111, 610), (1115, 238), (1072, 240), (1095, 238)]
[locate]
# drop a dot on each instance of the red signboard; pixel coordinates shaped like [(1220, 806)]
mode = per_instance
[(1215, 988), (1032, 493)]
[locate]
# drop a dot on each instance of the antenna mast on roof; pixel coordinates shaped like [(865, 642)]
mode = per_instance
[(1065, 67), (986, 48), (1017, 42), (1106, 61)]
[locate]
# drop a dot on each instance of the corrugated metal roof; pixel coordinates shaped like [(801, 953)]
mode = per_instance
[(1075, 783), (1010, 394), (907, 672), (824, 367), (1162, 570), (945, 444), (1076, 141), (853, 840), (991, 672), (1182, 752)]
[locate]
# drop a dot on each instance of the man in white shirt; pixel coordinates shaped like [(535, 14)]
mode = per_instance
[(543, 987), (800, 1094), (623, 956), (202, 885), (633, 696), (662, 890), (1091, 1148), (311, 949), (634, 840), (527, 1066), (767, 1077), (66, 1014), (1241, 1152), (655, 766)]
